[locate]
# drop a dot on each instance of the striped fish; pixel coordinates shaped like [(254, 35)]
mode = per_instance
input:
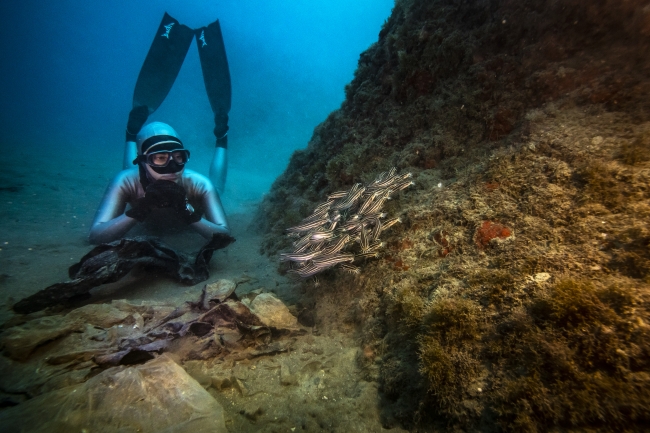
[(352, 228), (329, 260), (367, 255), (324, 205), (364, 241), (400, 186), (317, 245), (337, 194), (309, 225), (306, 272), (390, 223), (322, 235), (338, 246), (350, 268), (349, 200), (304, 240), (376, 230), (302, 248), (316, 215), (384, 183), (298, 257), (373, 222), (376, 206), (371, 198), (385, 174)]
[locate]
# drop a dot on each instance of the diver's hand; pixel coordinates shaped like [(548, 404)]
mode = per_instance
[(165, 193), (137, 117), (140, 209), (159, 194), (168, 194), (189, 215)]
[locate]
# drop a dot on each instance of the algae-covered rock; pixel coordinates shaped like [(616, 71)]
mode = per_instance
[(273, 312), (216, 292), (20, 341), (515, 294), (158, 396)]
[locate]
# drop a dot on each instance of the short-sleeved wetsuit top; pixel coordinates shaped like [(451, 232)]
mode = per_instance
[(110, 223)]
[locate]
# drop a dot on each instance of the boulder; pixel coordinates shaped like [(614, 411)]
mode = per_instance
[(158, 396), (272, 312)]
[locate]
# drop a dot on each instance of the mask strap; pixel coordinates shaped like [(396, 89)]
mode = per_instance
[(144, 176)]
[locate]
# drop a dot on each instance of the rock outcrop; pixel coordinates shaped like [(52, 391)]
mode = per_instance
[(515, 295)]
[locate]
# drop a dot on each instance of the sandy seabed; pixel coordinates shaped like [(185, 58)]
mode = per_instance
[(46, 211)]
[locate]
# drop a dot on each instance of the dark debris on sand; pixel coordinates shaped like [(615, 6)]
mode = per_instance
[(108, 263)]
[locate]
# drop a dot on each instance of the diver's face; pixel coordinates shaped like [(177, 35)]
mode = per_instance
[(174, 177)]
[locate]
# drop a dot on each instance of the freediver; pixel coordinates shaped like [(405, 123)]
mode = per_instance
[(159, 184)]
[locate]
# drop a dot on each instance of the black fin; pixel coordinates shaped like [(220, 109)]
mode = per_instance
[(216, 74), (162, 63)]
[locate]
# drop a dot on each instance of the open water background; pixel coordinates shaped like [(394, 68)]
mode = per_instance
[(69, 69)]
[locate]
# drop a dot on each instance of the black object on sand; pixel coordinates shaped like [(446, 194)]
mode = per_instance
[(109, 262)]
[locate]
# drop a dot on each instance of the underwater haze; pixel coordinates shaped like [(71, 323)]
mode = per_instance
[(69, 69)]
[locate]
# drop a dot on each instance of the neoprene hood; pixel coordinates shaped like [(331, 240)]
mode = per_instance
[(156, 137)]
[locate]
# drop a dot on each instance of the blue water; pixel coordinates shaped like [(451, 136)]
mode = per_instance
[(69, 68)]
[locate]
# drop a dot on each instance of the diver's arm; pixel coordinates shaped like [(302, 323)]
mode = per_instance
[(102, 232), (110, 223), (214, 220), (219, 165)]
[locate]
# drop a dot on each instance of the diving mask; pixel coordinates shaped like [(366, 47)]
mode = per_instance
[(164, 157)]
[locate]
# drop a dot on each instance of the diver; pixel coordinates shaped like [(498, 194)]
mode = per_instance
[(159, 183)]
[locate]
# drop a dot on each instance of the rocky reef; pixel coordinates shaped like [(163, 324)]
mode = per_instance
[(514, 296)]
